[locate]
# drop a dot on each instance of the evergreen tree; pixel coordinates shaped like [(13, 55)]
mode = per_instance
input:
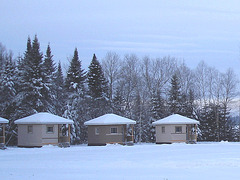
[(76, 76), (97, 83), (98, 89), (175, 96), (208, 124), (7, 88), (30, 98), (7, 93), (49, 89), (75, 91), (158, 111), (190, 104), (187, 104), (215, 124), (225, 128), (59, 91), (49, 65), (138, 117), (118, 103)]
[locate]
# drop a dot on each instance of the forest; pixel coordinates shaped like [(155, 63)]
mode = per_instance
[(143, 89)]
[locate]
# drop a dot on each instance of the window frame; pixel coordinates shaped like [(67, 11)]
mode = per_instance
[(30, 129), (163, 130), (178, 131), (47, 129), (97, 131), (115, 132)]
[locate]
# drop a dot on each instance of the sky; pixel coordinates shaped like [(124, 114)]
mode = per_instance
[(188, 30)]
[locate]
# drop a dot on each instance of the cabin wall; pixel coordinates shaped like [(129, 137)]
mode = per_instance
[(38, 137), (49, 138), (26, 139), (105, 135), (170, 136)]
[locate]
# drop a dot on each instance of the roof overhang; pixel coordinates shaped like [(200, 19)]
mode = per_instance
[(109, 119), (43, 118), (175, 119), (3, 120)]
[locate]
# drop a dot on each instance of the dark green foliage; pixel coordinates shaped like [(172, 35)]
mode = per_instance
[(8, 92), (75, 75), (32, 86), (97, 83), (159, 107), (158, 111), (48, 64), (59, 91), (175, 98), (118, 103), (75, 99), (187, 105), (215, 123), (49, 87), (98, 90)]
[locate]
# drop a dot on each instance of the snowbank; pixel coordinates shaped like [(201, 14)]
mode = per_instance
[(143, 161)]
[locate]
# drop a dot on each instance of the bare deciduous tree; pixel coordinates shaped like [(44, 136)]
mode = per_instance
[(111, 67)]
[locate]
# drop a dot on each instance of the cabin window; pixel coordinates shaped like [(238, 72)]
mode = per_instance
[(97, 131), (178, 129), (30, 129), (163, 129), (113, 130), (49, 129)]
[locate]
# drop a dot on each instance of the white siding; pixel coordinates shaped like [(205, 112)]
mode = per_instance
[(29, 139), (49, 138), (170, 136)]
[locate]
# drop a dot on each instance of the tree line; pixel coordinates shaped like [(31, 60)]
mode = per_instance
[(144, 90)]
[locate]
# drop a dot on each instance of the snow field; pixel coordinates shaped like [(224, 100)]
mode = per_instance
[(141, 161)]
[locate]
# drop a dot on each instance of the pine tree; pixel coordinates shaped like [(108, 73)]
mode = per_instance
[(213, 123), (98, 89), (59, 91), (48, 64), (76, 76), (8, 92), (158, 111), (49, 89), (190, 104), (30, 98), (118, 103), (187, 104), (97, 83), (175, 96), (76, 95), (7, 89), (208, 124), (138, 117)]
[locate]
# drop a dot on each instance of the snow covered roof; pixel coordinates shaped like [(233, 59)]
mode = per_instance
[(109, 119), (43, 118), (175, 119), (3, 120)]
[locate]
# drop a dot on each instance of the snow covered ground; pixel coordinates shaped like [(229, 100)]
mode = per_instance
[(142, 161)]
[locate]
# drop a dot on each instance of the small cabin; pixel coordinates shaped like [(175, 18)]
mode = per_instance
[(42, 129), (3, 122), (176, 128), (110, 129)]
